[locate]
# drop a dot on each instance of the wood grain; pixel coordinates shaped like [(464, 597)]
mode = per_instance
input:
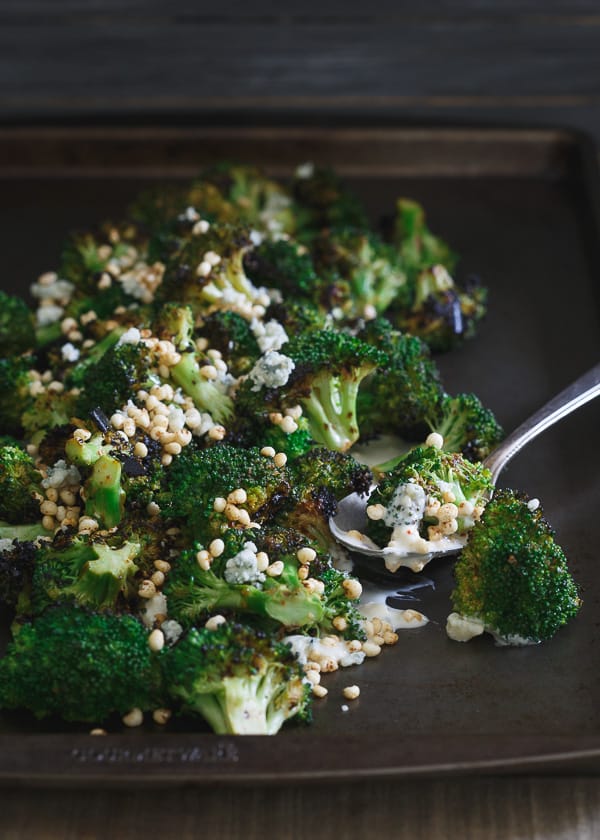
[(493, 809)]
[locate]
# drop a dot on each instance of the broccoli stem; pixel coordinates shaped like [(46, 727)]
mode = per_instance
[(105, 497), (102, 579), (244, 705), (331, 410), (23, 533), (205, 394)]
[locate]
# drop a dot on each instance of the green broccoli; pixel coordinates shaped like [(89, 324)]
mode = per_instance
[(236, 582), (15, 397), (16, 569), (16, 326), (208, 273), (20, 486), (512, 578), (299, 316), (104, 495), (196, 478), (367, 266), (229, 333), (323, 201), (466, 426), (429, 495), (80, 665), (338, 472), (329, 367), (286, 266), (404, 391), (86, 569), (418, 247), (116, 377), (209, 395), (239, 680)]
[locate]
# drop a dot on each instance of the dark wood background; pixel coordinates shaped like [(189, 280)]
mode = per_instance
[(515, 61)]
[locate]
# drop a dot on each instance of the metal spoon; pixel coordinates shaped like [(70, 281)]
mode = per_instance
[(352, 516)]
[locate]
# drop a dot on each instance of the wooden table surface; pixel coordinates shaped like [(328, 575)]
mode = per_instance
[(479, 808)]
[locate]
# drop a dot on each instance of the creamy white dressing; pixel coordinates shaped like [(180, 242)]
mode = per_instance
[(373, 604), (462, 628), (308, 647)]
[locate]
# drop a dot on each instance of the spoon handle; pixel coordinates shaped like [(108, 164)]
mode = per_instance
[(574, 395)]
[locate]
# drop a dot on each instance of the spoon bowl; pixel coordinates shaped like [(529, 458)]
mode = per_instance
[(351, 517)]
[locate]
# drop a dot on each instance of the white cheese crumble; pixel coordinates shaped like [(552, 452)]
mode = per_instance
[(269, 336), (157, 605), (243, 567), (271, 371), (461, 628), (305, 170), (58, 290), (60, 475), (48, 314), (533, 504), (308, 647), (256, 237), (130, 336), (172, 630), (69, 352), (5, 545)]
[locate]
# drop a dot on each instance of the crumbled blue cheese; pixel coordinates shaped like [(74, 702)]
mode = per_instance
[(61, 475), (256, 237), (48, 314), (305, 170), (5, 545), (59, 290), (269, 336), (271, 371), (306, 648), (153, 607), (243, 567), (69, 352), (130, 336), (172, 630)]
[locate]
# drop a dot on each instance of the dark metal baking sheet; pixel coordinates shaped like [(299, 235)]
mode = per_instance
[(521, 208)]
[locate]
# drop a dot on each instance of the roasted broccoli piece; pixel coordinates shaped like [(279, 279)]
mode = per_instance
[(116, 377), (512, 578), (94, 571), (229, 333), (286, 266), (323, 201), (20, 486), (16, 326), (404, 391), (429, 495), (209, 395), (79, 375), (328, 368), (236, 582), (208, 273), (197, 478), (239, 680), (441, 311), (15, 397), (338, 472), (293, 444), (299, 316), (466, 426), (367, 267), (16, 568), (80, 665), (418, 247)]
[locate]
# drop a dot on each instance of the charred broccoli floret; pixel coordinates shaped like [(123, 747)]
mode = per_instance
[(286, 266), (16, 568), (236, 581), (229, 333), (323, 201), (429, 495), (16, 326), (404, 391), (20, 486), (80, 665), (93, 571), (239, 680), (367, 267), (466, 426), (199, 477), (15, 397), (122, 370), (512, 578)]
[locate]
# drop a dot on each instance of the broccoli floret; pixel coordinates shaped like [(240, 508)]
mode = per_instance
[(241, 681), (121, 371), (49, 409), (208, 395), (441, 311), (176, 324), (218, 282), (329, 367), (419, 248), (89, 570), (404, 391), (512, 577), (466, 426), (298, 316), (229, 333), (20, 486), (16, 326), (367, 266), (294, 445), (79, 665), (286, 266), (16, 570), (236, 582), (429, 495), (80, 374), (15, 379), (253, 198), (337, 472), (323, 201), (197, 477)]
